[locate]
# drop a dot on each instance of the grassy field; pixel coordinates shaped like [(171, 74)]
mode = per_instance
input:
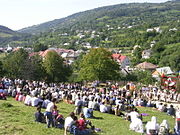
[(19, 120)]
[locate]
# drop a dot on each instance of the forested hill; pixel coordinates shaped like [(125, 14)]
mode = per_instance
[(151, 26), (136, 13), (8, 36), (6, 30)]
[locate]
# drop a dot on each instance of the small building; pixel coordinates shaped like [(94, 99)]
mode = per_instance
[(162, 71), (122, 60), (146, 54), (146, 66)]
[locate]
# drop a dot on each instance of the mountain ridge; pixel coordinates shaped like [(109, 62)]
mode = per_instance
[(71, 19), (5, 29)]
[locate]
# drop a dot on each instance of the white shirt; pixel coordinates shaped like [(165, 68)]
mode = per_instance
[(27, 100), (103, 108), (35, 101), (78, 102), (90, 104), (134, 115), (50, 107), (46, 102), (68, 122), (151, 126)]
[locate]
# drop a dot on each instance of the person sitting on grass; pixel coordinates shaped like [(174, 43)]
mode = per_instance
[(39, 117), (152, 127), (134, 114), (2, 96), (82, 124), (171, 111), (164, 128), (117, 111), (78, 104), (69, 124), (55, 114), (60, 121), (103, 108), (137, 125), (88, 112)]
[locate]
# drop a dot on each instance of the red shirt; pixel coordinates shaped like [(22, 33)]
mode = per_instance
[(81, 124)]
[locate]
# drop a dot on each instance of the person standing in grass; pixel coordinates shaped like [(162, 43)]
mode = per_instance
[(177, 124), (48, 113)]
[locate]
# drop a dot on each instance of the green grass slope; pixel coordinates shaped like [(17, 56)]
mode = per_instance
[(19, 120)]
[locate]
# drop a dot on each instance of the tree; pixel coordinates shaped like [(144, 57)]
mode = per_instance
[(37, 68), (56, 70), (39, 47), (17, 65), (144, 77), (1, 69), (138, 53), (98, 65), (76, 65)]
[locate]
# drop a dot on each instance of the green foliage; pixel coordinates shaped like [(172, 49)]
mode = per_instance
[(144, 77), (98, 65), (76, 65), (1, 69), (8, 36), (171, 57), (40, 47), (17, 65), (138, 53), (56, 70), (37, 68)]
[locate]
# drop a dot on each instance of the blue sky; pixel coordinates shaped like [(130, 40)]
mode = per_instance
[(17, 14)]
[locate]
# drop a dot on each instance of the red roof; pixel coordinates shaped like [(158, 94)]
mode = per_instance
[(43, 53), (122, 58), (119, 57), (33, 53)]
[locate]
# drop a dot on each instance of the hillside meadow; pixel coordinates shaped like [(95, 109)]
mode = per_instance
[(18, 119)]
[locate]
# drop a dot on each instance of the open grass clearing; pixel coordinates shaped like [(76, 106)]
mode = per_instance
[(19, 120)]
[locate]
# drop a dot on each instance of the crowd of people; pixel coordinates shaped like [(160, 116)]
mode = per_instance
[(111, 99)]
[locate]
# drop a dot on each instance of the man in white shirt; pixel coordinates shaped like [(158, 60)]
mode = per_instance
[(69, 121), (48, 113), (103, 108), (134, 115), (78, 104)]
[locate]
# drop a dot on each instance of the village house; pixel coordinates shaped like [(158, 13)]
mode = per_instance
[(146, 66), (146, 54), (69, 55), (122, 60), (162, 71)]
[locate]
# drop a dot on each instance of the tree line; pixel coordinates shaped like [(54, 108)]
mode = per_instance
[(95, 65)]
